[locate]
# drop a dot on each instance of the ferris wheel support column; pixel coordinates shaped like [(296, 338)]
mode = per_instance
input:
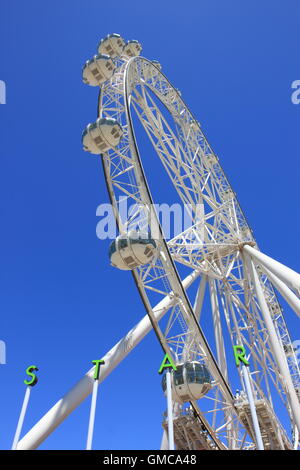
[(285, 291), (200, 297), (221, 355), (276, 346), (258, 438), (218, 327), (197, 306), (170, 411), (296, 438), (285, 274), (164, 445), (83, 388)]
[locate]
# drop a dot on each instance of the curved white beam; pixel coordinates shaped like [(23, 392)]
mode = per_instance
[(61, 410), (217, 325), (200, 297)]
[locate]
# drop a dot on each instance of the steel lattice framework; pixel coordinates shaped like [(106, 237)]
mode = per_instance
[(219, 249), (199, 181)]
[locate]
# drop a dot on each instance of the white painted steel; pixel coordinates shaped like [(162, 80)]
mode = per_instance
[(170, 411), (276, 346), (285, 291), (21, 417), (212, 244), (164, 445), (91, 426), (285, 274), (259, 441)]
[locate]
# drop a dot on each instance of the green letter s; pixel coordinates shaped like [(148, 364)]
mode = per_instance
[(33, 381)]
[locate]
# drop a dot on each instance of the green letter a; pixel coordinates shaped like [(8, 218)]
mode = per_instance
[(167, 365)]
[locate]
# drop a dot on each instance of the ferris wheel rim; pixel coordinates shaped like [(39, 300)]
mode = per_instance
[(142, 173), (138, 159), (228, 392), (144, 59), (141, 168)]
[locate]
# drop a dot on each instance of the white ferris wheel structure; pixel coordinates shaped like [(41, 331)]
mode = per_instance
[(236, 283)]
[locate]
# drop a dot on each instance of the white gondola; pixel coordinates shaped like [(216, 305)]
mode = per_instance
[(190, 381), (98, 69), (132, 48), (131, 250), (101, 135), (112, 45)]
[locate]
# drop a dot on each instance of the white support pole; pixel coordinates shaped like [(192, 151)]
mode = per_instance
[(284, 273), (164, 445), (197, 312), (221, 355), (21, 417), (61, 410), (285, 291), (200, 297), (276, 346), (92, 416), (296, 438), (170, 411), (258, 438)]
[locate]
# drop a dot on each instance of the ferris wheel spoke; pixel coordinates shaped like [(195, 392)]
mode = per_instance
[(218, 327), (167, 158)]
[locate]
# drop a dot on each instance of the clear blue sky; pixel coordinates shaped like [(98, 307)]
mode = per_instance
[(62, 305)]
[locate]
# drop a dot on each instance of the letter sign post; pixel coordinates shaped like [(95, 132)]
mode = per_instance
[(168, 364), (97, 363), (30, 383)]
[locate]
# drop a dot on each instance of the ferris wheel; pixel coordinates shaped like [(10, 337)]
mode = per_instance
[(234, 303)]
